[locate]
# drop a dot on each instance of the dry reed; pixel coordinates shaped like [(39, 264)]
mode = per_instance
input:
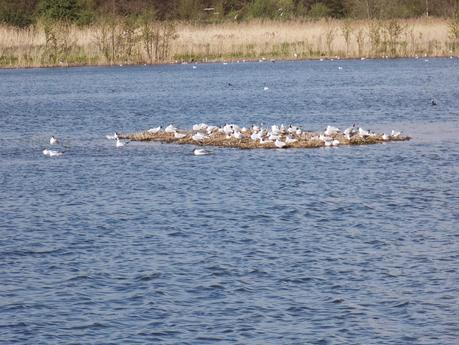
[(62, 45)]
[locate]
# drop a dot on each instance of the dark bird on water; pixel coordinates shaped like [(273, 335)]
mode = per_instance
[(433, 101)]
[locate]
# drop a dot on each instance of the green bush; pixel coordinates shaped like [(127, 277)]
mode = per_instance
[(319, 10), (65, 10), (263, 9), (12, 13)]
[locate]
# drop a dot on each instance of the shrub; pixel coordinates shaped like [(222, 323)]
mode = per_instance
[(64, 10), (15, 14), (263, 9), (319, 10)]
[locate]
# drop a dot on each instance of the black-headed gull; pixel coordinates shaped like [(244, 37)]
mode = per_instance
[(52, 153), (201, 152)]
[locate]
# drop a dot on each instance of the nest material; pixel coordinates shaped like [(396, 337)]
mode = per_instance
[(305, 140)]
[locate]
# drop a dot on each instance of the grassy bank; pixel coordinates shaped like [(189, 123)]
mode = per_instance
[(124, 42)]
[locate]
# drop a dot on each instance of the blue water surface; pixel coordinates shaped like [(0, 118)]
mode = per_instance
[(148, 244)]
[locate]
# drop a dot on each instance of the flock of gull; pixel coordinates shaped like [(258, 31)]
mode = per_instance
[(53, 153), (257, 136)]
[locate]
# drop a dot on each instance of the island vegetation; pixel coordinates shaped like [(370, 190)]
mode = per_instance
[(37, 33)]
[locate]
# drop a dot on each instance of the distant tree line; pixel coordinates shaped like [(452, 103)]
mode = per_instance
[(22, 13)]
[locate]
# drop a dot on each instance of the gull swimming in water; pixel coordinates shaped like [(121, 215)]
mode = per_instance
[(120, 143), (53, 140), (52, 153), (201, 152)]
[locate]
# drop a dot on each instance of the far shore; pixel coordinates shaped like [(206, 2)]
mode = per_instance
[(114, 44), (220, 61)]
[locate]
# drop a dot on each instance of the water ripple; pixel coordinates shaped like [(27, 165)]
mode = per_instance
[(147, 244)]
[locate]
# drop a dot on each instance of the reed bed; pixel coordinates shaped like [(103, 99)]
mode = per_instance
[(116, 42), (307, 139)]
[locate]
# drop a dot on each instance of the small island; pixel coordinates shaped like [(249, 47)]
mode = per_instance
[(258, 137)]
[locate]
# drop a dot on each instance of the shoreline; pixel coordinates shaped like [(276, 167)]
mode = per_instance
[(236, 61)]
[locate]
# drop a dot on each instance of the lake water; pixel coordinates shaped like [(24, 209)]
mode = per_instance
[(148, 244)]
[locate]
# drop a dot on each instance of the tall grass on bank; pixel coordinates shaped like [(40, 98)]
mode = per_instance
[(116, 41)]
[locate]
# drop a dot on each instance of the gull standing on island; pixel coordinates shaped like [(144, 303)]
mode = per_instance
[(112, 137), (154, 130)]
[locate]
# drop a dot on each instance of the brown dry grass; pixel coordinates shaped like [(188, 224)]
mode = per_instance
[(231, 41), (300, 39)]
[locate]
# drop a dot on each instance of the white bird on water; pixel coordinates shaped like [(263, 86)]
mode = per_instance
[(201, 152), (53, 140), (120, 143), (52, 153)]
